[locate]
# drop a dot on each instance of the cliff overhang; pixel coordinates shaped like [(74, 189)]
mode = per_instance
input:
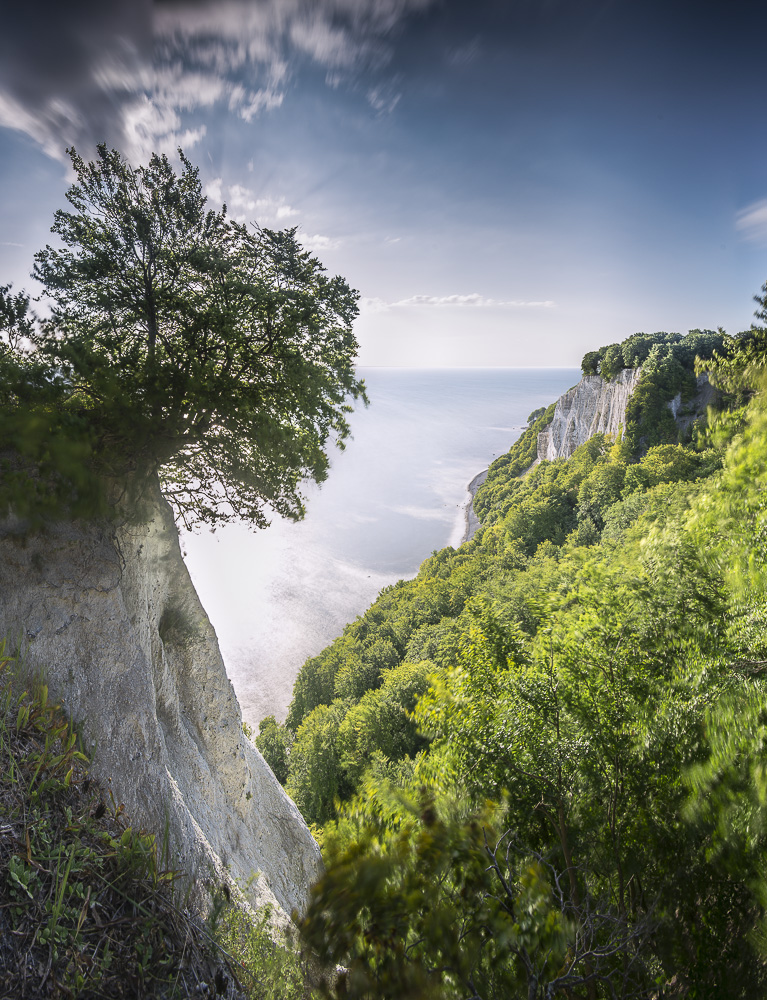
[(108, 614)]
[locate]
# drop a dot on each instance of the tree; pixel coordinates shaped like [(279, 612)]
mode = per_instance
[(590, 363), (217, 356), (15, 319), (316, 776), (274, 741)]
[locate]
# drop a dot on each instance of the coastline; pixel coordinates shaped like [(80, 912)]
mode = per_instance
[(472, 521)]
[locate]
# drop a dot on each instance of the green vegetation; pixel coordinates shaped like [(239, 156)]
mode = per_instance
[(89, 907), (274, 742), (179, 344), (86, 906), (534, 528), (667, 363), (265, 969), (537, 770)]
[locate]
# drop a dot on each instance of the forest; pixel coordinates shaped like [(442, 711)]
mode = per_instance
[(538, 769)]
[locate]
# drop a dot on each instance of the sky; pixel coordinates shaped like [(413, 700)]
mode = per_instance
[(506, 182)]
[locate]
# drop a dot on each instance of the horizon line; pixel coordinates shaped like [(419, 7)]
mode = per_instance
[(476, 367)]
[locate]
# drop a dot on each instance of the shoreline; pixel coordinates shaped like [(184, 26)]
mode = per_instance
[(471, 519)]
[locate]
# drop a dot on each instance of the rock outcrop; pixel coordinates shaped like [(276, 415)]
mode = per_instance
[(593, 406), (110, 618)]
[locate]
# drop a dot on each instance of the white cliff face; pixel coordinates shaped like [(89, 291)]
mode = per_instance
[(593, 406), (113, 623)]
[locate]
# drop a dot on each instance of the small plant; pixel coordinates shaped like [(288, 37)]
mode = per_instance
[(268, 970)]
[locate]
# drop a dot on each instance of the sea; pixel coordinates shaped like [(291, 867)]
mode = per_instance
[(395, 494)]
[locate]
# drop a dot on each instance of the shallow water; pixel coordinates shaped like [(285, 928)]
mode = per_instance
[(394, 495)]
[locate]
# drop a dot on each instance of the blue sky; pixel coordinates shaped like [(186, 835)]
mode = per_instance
[(506, 183)]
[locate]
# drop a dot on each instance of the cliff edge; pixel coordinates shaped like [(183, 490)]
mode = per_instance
[(111, 619), (593, 406)]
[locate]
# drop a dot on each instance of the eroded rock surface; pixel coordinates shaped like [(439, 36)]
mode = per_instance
[(593, 406), (111, 618)]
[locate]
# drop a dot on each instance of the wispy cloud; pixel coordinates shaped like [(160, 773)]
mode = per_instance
[(214, 191), (385, 98), (472, 301), (464, 55), (128, 71), (245, 206), (751, 221), (317, 242)]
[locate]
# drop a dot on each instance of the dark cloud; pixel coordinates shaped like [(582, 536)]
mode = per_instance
[(126, 72), (67, 68)]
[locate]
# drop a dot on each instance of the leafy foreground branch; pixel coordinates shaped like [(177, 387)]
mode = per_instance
[(88, 905), (447, 907)]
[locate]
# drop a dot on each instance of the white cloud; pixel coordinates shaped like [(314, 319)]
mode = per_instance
[(54, 126), (373, 305), (265, 99), (154, 127), (183, 89), (267, 208), (317, 242), (752, 221), (246, 206), (242, 199), (384, 99), (213, 190), (473, 301), (328, 44)]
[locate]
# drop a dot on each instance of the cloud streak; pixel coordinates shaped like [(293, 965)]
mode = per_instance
[(471, 301), (245, 206), (129, 71), (752, 221)]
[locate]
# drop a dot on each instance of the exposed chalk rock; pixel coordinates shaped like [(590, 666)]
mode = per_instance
[(593, 406), (112, 620)]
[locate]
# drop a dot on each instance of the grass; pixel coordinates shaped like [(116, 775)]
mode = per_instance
[(88, 906)]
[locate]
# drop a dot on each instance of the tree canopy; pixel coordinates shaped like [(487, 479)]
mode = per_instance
[(185, 344)]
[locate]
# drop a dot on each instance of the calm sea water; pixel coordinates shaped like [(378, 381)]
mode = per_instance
[(394, 495)]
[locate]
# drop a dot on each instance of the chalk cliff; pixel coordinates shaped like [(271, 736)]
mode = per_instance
[(593, 406), (111, 618)]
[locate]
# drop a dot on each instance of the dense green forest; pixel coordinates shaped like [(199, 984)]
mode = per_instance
[(538, 768)]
